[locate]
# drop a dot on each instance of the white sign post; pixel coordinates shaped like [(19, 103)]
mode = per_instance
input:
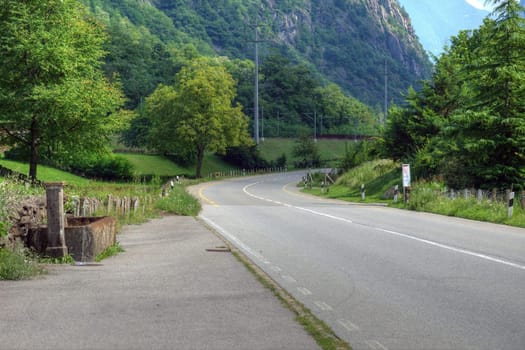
[(406, 181)]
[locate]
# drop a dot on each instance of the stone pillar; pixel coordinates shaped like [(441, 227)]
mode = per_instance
[(56, 242)]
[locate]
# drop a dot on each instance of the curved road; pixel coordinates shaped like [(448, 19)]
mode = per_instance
[(382, 278)]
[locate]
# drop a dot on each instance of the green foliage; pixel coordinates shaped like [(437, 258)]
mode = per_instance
[(281, 161), (428, 196), (17, 264), (147, 40), (357, 153), (245, 157), (110, 168), (110, 251), (468, 124), (179, 202), (366, 172), (307, 152), (67, 259), (196, 114), (53, 94)]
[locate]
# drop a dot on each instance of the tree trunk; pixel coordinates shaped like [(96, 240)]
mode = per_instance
[(200, 158), (33, 159)]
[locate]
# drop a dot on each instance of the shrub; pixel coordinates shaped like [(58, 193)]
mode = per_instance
[(245, 157), (16, 264), (111, 168)]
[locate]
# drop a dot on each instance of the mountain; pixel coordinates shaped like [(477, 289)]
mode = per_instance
[(344, 41), (436, 21)]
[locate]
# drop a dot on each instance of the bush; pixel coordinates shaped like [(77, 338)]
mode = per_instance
[(307, 152), (16, 264), (111, 168), (424, 195), (245, 157)]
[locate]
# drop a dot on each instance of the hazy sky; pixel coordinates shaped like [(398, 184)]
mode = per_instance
[(479, 4)]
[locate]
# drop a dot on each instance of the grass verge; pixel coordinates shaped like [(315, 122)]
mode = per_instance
[(379, 178), (110, 251), (179, 202), (17, 264), (319, 330)]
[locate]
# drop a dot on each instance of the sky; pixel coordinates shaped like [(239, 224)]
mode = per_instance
[(479, 4)]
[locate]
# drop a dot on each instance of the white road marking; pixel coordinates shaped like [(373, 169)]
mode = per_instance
[(375, 345), (289, 279), (236, 241), (323, 306), (348, 325), (304, 291), (454, 249), (398, 234), (276, 268)]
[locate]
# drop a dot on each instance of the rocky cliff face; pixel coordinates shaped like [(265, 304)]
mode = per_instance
[(351, 40)]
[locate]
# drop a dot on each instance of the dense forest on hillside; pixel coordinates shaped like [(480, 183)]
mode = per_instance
[(345, 42)]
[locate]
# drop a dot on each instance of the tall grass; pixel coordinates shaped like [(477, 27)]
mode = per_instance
[(16, 264), (428, 197), (179, 202), (380, 176)]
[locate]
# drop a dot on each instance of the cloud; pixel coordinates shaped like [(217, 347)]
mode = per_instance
[(479, 4)]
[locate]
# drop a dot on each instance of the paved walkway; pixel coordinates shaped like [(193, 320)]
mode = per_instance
[(165, 292)]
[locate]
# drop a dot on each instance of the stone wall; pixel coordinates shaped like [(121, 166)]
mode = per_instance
[(25, 216)]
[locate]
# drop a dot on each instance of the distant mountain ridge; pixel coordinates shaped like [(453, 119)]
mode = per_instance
[(436, 21), (345, 41)]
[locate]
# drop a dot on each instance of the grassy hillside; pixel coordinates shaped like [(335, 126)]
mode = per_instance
[(331, 150), (46, 174), (378, 176), (147, 164)]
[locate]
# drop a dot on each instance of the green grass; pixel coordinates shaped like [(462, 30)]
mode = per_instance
[(45, 173), (110, 251), (380, 176), (16, 264), (179, 202), (148, 164), (331, 151)]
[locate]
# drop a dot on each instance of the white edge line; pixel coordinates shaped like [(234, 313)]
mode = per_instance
[(403, 235), (235, 241)]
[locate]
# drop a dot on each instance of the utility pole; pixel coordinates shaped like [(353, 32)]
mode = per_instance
[(256, 83), (315, 126), (262, 123), (315, 123), (386, 93), (278, 126), (256, 94)]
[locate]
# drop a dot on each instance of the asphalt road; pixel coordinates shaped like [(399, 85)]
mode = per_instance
[(382, 278), (168, 291)]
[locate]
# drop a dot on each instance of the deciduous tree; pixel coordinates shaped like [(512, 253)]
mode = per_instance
[(197, 115), (52, 90)]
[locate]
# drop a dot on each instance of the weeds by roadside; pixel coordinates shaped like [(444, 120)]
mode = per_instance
[(17, 263), (110, 251), (179, 202)]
